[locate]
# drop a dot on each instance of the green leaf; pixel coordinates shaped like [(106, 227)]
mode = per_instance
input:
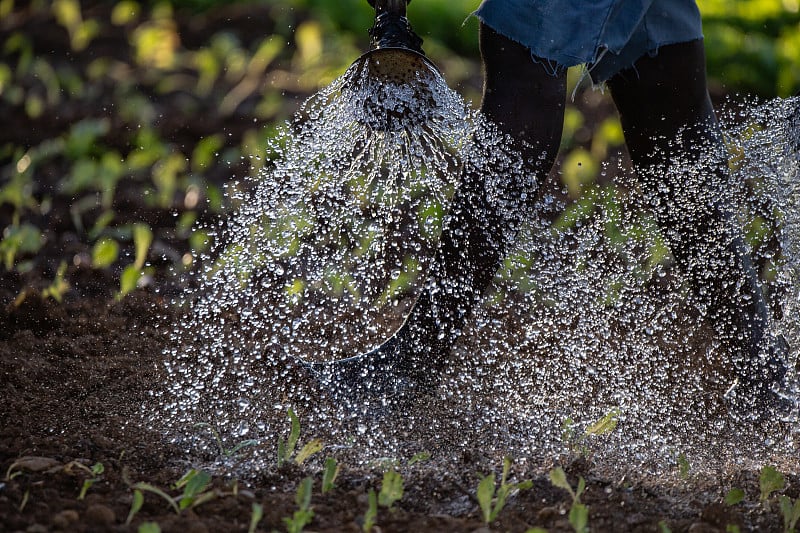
[(136, 505), (303, 496), (391, 489), (129, 279), (193, 482), (372, 512), (142, 237), (104, 252), (579, 517), (256, 515), (605, 425), (329, 474), (310, 448), (769, 481), (486, 488), (149, 527), (418, 458), (559, 479), (734, 496), (791, 513), (683, 466), (155, 490)]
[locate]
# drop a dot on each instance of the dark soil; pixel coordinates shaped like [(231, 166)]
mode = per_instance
[(74, 376)]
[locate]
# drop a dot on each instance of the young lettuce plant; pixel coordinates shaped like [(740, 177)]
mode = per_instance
[(491, 498), (304, 514), (286, 448), (578, 512)]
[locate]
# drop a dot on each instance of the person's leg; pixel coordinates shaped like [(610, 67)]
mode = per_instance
[(525, 100), (675, 143)]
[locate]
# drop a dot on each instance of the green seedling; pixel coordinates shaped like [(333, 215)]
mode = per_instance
[(419, 458), (372, 512), (149, 527), (286, 448), (142, 237), (59, 287), (391, 489), (147, 487), (18, 240), (663, 527), (791, 513), (578, 442), (256, 515), (194, 484), (329, 474), (136, 505), (96, 470), (492, 499), (578, 512), (683, 466), (734, 497), (304, 513), (227, 452), (104, 252), (769, 481), (732, 528)]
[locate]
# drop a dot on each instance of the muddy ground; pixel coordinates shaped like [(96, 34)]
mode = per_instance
[(75, 375)]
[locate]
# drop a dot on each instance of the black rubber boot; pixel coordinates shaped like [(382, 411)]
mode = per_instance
[(674, 140)]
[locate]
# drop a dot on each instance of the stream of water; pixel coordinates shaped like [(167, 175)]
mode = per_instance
[(587, 317)]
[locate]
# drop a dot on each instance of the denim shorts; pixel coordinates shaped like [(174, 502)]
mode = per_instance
[(605, 35)]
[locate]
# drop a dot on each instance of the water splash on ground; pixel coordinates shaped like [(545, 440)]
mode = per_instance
[(587, 317)]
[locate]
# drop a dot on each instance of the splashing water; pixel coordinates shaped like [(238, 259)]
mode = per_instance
[(586, 317)]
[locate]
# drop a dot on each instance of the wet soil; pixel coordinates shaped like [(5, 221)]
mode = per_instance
[(75, 376)]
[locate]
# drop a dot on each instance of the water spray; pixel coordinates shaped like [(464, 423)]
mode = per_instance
[(395, 60)]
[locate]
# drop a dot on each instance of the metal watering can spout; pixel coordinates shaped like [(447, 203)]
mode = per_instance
[(394, 64)]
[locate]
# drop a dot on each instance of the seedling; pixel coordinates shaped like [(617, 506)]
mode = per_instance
[(149, 527), (491, 498), (578, 512), (734, 497), (96, 470), (791, 513), (286, 448), (142, 237), (227, 452), (372, 512), (329, 474), (255, 516), (146, 487), (769, 481), (194, 484), (683, 466), (59, 287), (304, 513), (391, 489), (136, 505), (419, 458), (603, 426)]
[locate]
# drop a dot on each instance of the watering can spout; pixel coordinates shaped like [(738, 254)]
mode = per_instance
[(392, 29), (394, 79)]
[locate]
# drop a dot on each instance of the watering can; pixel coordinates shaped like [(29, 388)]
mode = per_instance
[(395, 59), (394, 64)]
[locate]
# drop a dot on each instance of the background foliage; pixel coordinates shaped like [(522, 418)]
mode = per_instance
[(125, 122)]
